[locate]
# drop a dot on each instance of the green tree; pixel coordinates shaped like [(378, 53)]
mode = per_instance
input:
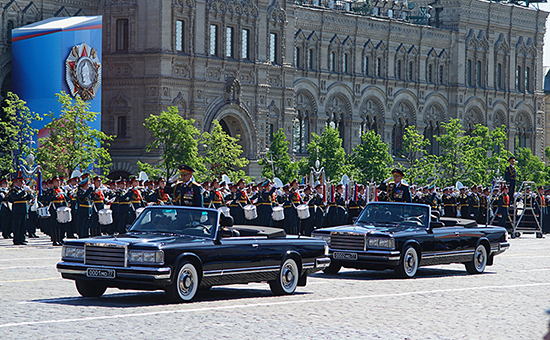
[(152, 171), (72, 143), (176, 140), (222, 154), (278, 159), (16, 133), (452, 146), (414, 145), (530, 167), (371, 159), (332, 156)]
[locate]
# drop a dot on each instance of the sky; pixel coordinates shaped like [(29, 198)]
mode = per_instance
[(546, 52)]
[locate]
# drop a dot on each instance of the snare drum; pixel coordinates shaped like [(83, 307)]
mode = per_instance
[(105, 216), (303, 211), (250, 212), (225, 211), (278, 214), (64, 215), (43, 212)]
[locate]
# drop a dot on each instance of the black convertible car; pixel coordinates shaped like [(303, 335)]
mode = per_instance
[(182, 249), (404, 236)]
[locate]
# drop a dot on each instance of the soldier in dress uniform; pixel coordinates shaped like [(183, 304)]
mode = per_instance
[(399, 191), (473, 203), (136, 200), (432, 200), (463, 203), (98, 202), (71, 196), (307, 224), (319, 205), (483, 205), (207, 194), (265, 204), (449, 203), (242, 200), (503, 204), (216, 196), (341, 217), (59, 200), (187, 192), (5, 211), (510, 176), (292, 223), (46, 200), (84, 212), (354, 207), (540, 206), (19, 198)]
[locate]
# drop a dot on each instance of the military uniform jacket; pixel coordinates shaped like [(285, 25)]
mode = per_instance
[(510, 175), (19, 199), (84, 199), (242, 197), (189, 194), (399, 193)]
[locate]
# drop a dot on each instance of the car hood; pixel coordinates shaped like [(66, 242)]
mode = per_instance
[(369, 229), (146, 240)]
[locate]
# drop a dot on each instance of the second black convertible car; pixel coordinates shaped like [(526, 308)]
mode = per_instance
[(182, 249), (404, 236)]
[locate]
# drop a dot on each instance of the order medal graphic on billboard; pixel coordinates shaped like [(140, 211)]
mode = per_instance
[(83, 72)]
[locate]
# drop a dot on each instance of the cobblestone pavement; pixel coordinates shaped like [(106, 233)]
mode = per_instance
[(444, 302)]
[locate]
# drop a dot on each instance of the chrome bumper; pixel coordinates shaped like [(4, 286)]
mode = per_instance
[(322, 262), (369, 255), (136, 273), (502, 247)]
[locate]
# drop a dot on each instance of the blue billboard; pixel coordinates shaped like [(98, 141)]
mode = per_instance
[(54, 55)]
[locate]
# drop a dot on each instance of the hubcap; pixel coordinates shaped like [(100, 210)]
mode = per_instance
[(480, 258), (288, 276), (186, 281), (410, 262)]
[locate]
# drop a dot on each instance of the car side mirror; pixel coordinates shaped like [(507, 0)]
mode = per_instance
[(436, 224)]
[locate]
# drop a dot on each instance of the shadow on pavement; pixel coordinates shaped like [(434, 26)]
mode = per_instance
[(156, 298), (372, 275)]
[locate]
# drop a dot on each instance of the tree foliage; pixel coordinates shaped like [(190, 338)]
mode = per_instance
[(176, 140), (222, 154), (332, 156), (530, 167), (72, 143), (420, 168), (371, 159), (278, 159), (16, 133), (452, 147)]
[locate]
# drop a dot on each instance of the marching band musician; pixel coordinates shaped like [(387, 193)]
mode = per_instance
[(136, 200), (449, 203), (19, 197), (242, 199), (399, 191), (98, 202), (285, 200), (46, 200), (73, 188), (306, 227), (265, 204), (159, 195), (473, 203), (432, 200), (187, 192), (232, 203), (291, 220), (483, 205), (59, 200), (341, 216), (216, 197), (5, 211), (319, 205), (84, 210), (207, 194)]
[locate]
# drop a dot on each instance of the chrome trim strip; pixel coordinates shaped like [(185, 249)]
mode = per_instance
[(308, 265), (322, 262), (71, 271), (241, 271), (449, 253), (145, 270)]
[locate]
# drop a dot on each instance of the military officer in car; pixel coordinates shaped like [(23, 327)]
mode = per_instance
[(187, 192), (398, 191)]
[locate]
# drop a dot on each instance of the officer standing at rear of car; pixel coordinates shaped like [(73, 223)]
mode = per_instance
[(399, 191), (187, 192)]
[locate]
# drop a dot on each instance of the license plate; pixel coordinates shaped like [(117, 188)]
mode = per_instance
[(345, 256), (101, 273)]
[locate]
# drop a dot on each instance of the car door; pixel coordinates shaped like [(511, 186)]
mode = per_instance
[(446, 244), (241, 255)]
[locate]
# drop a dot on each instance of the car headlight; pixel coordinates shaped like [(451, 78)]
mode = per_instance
[(72, 252), (385, 243), (326, 250), (146, 256), (323, 237)]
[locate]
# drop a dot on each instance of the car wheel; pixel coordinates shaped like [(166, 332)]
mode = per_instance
[(408, 264), (185, 285), (332, 269), (287, 280), (478, 264), (90, 288)]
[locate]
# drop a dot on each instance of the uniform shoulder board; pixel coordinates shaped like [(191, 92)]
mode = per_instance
[(404, 184), (195, 184)]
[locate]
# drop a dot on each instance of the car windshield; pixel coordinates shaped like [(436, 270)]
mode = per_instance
[(384, 214), (191, 222)]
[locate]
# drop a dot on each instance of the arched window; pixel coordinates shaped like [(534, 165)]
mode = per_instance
[(298, 60), (398, 72), (301, 132), (430, 73), (432, 131), (469, 78), (398, 133), (479, 74), (441, 74), (519, 79), (333, 61), (367, 64), (528, 79), (499, 76), (121, 127), (379, 67), (311, 59), (346, 63)]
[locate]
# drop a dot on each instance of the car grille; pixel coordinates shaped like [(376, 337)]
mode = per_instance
[(347, 241), (112, 256)]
